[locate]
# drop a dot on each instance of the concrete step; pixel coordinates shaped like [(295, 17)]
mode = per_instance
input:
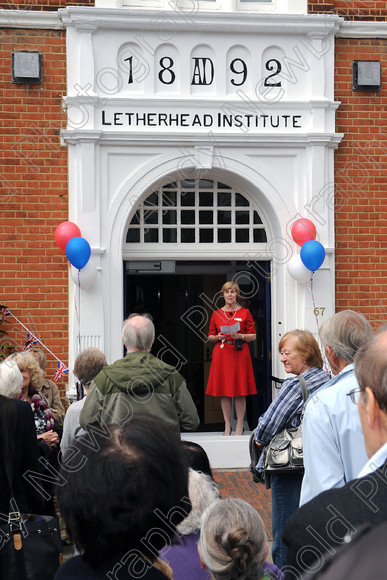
[(223, 452)]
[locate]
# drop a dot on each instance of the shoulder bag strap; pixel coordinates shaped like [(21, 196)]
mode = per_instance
[(304, 388), (15, 526)]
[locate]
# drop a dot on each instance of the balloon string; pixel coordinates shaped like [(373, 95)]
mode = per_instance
[(78, 320), (79, 307), (316, 316), (313, 301)]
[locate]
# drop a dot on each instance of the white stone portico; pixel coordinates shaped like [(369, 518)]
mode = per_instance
[(246, 99)]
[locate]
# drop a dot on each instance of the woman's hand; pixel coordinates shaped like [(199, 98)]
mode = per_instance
[(50, 437), (237, 336), (217, 337)]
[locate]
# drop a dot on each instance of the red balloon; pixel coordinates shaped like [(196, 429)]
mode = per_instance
[(303, 230), (65, 232)]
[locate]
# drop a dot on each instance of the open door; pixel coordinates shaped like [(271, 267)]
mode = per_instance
[(212, 410), (179, 297)]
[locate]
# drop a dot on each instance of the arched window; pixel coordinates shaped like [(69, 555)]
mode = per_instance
[(201, 211)]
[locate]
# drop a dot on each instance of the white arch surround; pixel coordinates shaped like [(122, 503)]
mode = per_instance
[(266, 194)]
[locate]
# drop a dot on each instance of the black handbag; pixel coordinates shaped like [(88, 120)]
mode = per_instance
[(284, 454), (255, 453), (30, 545)]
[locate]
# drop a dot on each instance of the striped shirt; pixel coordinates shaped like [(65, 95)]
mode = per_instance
[(285, 410)]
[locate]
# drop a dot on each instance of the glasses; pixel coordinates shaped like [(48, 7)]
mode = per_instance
[(354, 395)]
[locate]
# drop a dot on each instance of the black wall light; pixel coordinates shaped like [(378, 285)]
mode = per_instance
[(366, 75), (26, 67)]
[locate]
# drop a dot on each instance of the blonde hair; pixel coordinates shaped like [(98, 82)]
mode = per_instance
[(42, 359), (232, 540), (306, 346), (26, 360), (227, 285)]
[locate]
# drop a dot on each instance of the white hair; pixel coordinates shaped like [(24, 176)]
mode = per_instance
[(232, 540), (11, 379), (202, 491), (138, 332), (345, 332)]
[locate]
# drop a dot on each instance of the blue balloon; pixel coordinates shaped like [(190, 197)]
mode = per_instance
[(312, 255), (78, 252)]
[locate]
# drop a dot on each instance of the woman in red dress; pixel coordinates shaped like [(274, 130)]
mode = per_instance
[(231, 373)]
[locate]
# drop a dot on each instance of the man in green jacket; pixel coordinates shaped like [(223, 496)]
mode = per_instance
[(140, 382)]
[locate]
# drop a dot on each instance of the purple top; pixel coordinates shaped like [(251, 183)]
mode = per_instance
[(271, 571), (183, 558)]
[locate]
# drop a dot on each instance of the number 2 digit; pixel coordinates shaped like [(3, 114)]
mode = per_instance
[(276, 67)]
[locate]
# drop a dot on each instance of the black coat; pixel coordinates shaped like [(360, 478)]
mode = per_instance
[(319, 526), (77, 569), (24, 459)]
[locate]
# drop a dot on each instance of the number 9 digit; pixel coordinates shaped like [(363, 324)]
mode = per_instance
[(238, 72)]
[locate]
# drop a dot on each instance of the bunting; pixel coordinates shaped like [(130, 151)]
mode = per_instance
[(32, 340), (61, 370)]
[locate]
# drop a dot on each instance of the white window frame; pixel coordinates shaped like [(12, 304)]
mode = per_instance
[(193, 6), (267, 7), (233, 227)]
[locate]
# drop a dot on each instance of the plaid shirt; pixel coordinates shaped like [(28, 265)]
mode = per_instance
[(285, 410)]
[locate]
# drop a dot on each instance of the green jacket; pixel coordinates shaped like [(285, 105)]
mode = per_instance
[(140, 383)]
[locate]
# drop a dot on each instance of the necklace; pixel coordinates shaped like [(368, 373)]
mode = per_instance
[(233, 313)]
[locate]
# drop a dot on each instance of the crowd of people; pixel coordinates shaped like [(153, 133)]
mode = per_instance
[(140, 502)]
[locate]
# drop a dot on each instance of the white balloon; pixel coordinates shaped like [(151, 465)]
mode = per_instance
[(87, 275), (297, 270)]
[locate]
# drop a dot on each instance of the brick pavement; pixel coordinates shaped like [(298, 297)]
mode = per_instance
[(239, 483)]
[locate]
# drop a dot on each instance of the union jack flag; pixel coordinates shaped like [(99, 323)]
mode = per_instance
[(30, 341), (4, 311), (61, 370)]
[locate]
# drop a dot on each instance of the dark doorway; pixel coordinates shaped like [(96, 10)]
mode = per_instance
[(180, 296)]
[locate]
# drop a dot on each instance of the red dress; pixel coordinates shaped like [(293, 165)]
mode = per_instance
[(231, 372)]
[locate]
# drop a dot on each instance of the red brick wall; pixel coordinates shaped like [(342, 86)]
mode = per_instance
[(33, 194), (361, 175), (351, 10)]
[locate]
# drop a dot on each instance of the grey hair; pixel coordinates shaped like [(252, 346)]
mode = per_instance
[(346, 332), (232, 540), (139, 337), (11, 379), (371, 367), (202, 491), (88, 364)]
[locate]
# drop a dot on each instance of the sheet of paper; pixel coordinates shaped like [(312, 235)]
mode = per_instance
[(230, 329)]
